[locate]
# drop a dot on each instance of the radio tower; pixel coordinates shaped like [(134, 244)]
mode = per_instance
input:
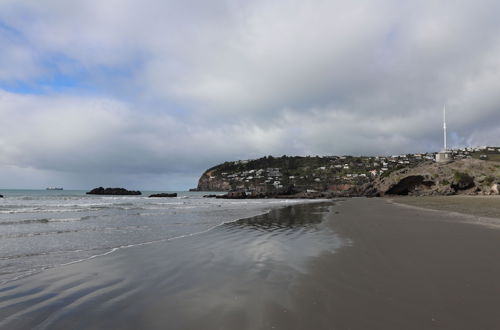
[(444, 156), (444, 127)]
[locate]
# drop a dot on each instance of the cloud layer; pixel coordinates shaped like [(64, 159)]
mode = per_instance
[(153, 93)]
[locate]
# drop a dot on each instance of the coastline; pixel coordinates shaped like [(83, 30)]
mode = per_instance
[(356, 264), (182, 283), (405, 269), (41, 230), (481, 210)]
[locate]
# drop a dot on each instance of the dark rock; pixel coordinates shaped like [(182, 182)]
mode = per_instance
[(462, 181), (367, 190), (210, 196), (1, 196), (289, 190), (308, 195), (233, 195), (445, 191), (164, 195), (409, 185), (112, 191)]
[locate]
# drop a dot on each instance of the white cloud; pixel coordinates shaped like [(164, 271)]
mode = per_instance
[(177, 86), (17, 60)]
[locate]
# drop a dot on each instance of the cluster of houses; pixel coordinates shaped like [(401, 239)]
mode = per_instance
[(321, 173), (483, 152), (268, 176)]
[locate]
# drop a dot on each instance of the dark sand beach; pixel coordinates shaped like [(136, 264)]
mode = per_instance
[(476, 206), (359, 264)]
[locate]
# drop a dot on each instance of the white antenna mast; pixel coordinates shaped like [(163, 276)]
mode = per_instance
[(444, 126)]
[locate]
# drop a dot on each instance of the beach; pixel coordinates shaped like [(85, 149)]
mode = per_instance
[(474, 206), (406, 269), (350, 264)]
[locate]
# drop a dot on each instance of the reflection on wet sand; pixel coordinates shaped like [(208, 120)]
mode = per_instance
[(234, 276), (287, 218)]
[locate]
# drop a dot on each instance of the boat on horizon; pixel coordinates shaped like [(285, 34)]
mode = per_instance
[(54, 188)]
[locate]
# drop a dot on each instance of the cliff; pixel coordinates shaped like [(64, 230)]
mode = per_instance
[(465, 176), (297, 174), (355, 176)]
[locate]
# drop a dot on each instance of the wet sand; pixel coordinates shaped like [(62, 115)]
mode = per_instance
[(481, 206), (360, 264), (406, 269)]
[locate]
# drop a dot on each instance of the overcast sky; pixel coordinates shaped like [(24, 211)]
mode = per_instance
[(148, 94)]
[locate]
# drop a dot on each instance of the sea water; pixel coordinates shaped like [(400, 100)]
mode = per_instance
[(41, 229)]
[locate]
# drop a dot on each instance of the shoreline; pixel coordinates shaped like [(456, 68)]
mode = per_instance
[(62, 235), (231, 259), (406, 269), (445, 205), (357, 263)]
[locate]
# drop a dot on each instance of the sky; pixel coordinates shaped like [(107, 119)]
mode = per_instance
[(148, 94)]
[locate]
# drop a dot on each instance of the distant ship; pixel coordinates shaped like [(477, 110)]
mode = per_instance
[(54, 188)]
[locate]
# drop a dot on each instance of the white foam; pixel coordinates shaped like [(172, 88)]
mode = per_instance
[(159, 240)]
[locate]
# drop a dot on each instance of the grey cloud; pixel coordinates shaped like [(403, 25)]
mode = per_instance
[(183, 85)]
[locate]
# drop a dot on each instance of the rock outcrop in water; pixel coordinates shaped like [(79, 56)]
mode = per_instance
[(234, 195), (164, 195), (112, 191)]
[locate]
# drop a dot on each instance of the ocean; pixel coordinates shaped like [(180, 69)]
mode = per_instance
[(43, 229), (100, 262)]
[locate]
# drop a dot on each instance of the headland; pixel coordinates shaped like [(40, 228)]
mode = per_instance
[(474, 171)]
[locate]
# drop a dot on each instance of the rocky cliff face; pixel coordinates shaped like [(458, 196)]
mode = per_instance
[(288, 175), (467, 176), (210, 182)]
